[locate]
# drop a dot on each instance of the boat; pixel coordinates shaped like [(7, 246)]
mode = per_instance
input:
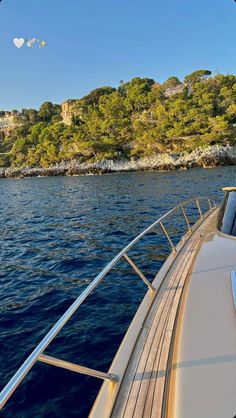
[(178, 356)]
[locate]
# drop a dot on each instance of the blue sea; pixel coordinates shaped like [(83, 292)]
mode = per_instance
[(56, 235)]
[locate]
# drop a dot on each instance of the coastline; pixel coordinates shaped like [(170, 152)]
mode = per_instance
[(212, 156)]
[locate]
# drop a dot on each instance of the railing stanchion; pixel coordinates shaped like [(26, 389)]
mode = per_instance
[(186, 218), (77, 368), (140, 274), (199, 208), (168, 237), (210, 205)]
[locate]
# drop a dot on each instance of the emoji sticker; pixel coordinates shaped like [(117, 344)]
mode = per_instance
[(18, 42)]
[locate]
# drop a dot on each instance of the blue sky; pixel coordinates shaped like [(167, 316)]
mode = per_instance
[(100, 42)]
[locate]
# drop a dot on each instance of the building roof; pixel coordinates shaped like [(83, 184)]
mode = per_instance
[(69, 101)]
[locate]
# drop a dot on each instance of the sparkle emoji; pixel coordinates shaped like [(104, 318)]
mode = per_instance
[(42, 44)]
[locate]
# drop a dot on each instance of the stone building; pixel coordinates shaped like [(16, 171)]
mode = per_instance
[(10, 120), (169, 91), (68, 111), (156, 85), (7, 121)]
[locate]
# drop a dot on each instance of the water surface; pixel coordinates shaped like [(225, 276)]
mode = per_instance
[(56, 235)]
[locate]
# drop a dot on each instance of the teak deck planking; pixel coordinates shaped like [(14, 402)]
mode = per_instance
[(142, 393)]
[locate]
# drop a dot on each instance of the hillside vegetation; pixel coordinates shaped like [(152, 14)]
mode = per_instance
[(135, 120)]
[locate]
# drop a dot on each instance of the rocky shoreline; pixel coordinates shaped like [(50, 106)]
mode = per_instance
[(213, 156)]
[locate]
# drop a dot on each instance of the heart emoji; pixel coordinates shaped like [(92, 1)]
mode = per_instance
[(18, 42), (30, 42)]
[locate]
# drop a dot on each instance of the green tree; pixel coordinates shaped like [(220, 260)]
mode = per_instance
[(31, 115), (93, 97), (171, 82), (47, 110), (197, 76)]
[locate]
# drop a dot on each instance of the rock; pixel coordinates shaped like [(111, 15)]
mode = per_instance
[(212, 156)]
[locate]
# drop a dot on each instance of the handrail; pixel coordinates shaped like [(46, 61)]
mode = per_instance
[(37, 353)]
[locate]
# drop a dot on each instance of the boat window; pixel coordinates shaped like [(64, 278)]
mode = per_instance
[(227, 216)]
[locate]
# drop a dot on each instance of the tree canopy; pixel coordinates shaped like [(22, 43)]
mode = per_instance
[(197, 76), (171, 82), (132, 121)]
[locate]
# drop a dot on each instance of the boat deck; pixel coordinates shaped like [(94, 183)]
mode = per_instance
[(145, 384)]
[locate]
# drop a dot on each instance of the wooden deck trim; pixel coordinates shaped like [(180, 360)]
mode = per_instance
[(156, 338), (145, 389)]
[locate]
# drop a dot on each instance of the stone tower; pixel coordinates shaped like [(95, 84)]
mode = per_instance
[(68, 111)]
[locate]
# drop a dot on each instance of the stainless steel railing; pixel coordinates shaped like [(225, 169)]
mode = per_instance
[(38, 353)]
